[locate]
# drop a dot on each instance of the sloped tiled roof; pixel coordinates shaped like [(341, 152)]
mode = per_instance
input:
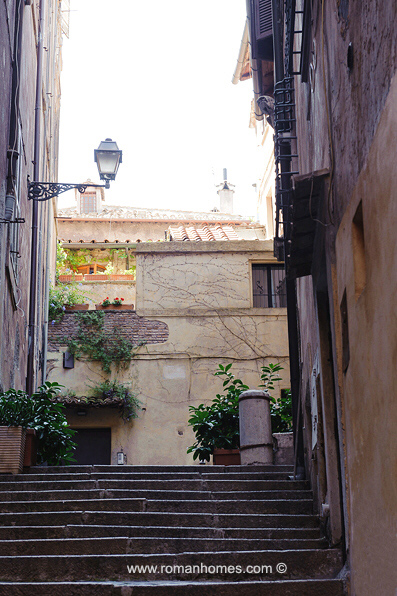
[(216, 232), (142, 213)]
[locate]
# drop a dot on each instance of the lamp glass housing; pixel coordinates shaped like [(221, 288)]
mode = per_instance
[(108, 158)]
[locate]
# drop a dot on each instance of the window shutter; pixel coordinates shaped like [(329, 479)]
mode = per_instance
[(261, 29), (263, 19)]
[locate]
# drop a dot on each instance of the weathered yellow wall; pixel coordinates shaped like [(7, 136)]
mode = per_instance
[(202, 291), (369, 384)]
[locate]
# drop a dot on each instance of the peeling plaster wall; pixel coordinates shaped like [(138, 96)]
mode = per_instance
[(202, 292)]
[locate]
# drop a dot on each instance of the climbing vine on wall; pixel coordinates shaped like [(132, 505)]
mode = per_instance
[(92, 342)]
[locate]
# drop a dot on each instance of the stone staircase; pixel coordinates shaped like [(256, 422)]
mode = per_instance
[(194, 530)]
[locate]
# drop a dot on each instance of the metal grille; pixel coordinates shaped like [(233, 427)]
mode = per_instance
[(269, 286)]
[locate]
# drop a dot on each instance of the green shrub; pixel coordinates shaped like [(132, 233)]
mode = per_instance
[(41, 412), (216, 426)]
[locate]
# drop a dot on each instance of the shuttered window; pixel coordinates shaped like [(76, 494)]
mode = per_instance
[(268, 286)]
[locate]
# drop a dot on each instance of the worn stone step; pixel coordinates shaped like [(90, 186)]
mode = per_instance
[(133, 545), (318, 587), (187, 506), (164, 495), (92, 531), (174, 485), (121, 475), (304, 564), (162, 469), (63, 518)]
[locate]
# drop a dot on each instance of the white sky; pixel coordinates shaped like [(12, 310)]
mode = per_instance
[(156, 77)]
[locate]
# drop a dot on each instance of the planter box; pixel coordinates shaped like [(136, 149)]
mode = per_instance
[(227, 457), (121, 277), (12, 449), (114, 307), (76, 307), (30, 458), (96, 277), (71, 277)]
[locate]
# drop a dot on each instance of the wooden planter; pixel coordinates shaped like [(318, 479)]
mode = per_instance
[(227, 457), (12, 449), (114, 307), (76, 307), (30, 458)]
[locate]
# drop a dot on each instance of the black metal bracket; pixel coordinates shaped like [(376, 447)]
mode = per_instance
[(44, 191), (17, 220)]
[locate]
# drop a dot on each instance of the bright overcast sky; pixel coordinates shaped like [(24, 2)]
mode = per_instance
[(156, 77)]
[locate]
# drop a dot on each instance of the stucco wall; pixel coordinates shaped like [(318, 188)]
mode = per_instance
[(354, 142), (369, 384), (202, 292)]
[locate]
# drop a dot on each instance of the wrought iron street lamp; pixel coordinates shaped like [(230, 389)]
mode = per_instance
[(108, 158)]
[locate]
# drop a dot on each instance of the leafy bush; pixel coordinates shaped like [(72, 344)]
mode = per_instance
[(280, 409), (54, 436), (114, 389), (216, 425), (62, 296)]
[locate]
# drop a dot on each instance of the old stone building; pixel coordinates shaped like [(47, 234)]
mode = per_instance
[(208, 291), (30, 47), (330, 90)]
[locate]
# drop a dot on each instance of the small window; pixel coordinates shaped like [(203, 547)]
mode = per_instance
[(269, 286), (88, 203)]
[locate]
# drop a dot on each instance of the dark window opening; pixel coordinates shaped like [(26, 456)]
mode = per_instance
[(269, 286)]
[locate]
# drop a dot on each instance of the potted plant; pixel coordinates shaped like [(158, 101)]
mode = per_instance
[(118, 301), (216, 426), (41, 413)]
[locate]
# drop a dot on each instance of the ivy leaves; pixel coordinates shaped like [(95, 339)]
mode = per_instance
[(92, 342)]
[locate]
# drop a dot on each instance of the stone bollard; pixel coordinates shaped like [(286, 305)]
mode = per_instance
[(256, 442)]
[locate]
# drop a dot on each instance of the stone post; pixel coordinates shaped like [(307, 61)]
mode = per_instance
[(256, 442)]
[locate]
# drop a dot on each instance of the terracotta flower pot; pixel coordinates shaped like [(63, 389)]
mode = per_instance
[(227, 457), (71, 277), (121, 277), (12, 449), (96, 277)]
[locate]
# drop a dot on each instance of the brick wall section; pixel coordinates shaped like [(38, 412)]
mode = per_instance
[(128, 324)]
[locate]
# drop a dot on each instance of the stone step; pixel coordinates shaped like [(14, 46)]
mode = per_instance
[(164, 495), (92, 531), (175, 485), (15, 479), (162, 469), (304, 564), (166, 545), (317, 587), (208, 520), (188, 506)]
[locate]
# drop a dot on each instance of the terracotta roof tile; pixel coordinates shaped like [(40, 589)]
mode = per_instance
[(205, 233)]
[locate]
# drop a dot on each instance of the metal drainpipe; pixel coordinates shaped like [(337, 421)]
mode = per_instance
[(292, 320), (30, 381)]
